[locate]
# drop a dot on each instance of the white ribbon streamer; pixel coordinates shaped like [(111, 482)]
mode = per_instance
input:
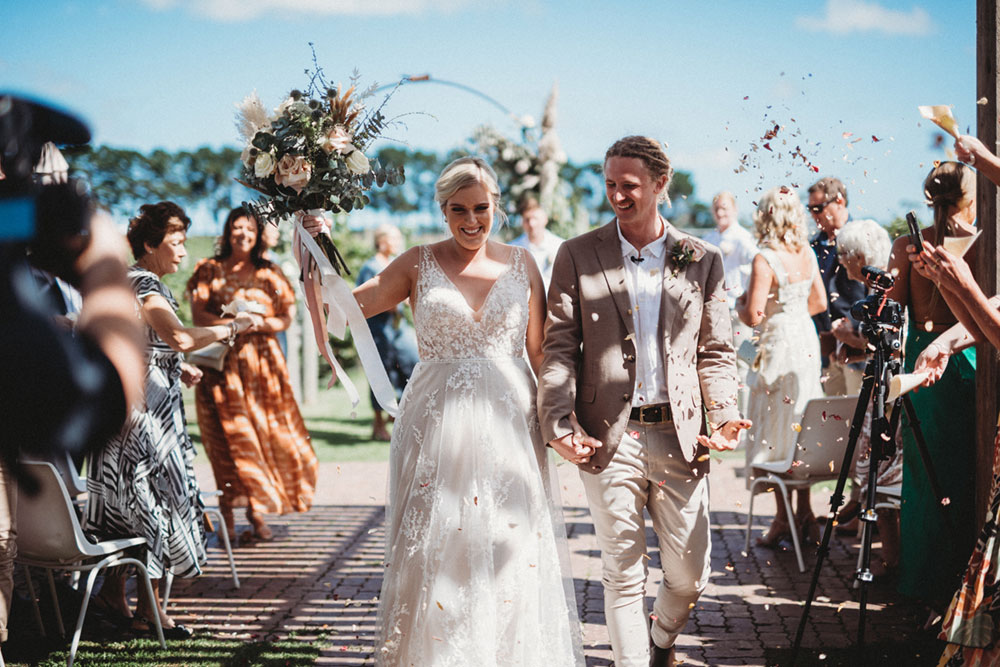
[(324, 286)]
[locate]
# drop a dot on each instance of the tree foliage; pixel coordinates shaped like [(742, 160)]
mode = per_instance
[(123, 179)]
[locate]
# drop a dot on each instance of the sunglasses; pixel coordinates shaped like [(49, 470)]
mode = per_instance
[(816, 209)]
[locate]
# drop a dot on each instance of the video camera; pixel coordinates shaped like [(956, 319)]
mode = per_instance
[(45, 216), (881, 318)]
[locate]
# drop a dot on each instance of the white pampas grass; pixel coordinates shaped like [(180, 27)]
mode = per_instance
[(251, 116)]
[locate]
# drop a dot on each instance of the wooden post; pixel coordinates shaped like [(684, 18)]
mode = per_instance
[(294, 343), (987, 367), (310, 365)]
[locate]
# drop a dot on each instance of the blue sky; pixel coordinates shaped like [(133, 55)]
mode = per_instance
[(708, 78)]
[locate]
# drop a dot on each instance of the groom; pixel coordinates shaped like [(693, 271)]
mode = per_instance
[(638, 346)]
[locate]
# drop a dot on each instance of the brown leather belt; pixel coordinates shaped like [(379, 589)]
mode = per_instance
[(651, 414)]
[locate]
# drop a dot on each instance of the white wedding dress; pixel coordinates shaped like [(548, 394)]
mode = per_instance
[(786, 373), (476, 570)]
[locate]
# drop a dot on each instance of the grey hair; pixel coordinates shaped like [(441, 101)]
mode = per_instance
[(865, 239), (462, 173)]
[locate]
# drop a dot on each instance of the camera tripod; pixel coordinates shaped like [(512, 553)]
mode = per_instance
[(879, 369)]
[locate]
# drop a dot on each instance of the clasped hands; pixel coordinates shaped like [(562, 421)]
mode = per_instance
[(577, 447)]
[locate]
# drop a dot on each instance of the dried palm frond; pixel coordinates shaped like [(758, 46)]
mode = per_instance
[(343, 111)]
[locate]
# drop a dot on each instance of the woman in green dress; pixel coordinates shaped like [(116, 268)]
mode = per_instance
[(932, 555)]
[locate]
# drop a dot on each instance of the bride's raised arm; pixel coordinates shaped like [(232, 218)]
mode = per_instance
[(390, 287)]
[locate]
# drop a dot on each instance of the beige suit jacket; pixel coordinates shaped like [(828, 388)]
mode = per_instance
[(589, 349)]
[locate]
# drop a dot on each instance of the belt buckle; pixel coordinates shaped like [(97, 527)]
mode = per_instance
[(657, 409)]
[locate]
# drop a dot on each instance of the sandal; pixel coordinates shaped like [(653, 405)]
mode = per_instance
[(260, 528), (111, 613), (145, 628), (775, 534)]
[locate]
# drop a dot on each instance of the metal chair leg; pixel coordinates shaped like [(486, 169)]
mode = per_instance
[(34, 600), (791, 521), (224, 536), (75, 644), (55, 603)]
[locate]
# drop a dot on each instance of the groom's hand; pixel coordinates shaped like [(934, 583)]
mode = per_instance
[(726, 437), (576, 447)]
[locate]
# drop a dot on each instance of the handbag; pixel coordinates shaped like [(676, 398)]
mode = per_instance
[(211, 356)]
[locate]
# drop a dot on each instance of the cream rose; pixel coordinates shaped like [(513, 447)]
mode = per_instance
[(263, 166), (357, 162), (337, 139), (293, 171), (697, 249)]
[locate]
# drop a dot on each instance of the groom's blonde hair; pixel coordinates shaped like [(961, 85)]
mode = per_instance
[(462, 173), (652, 154)]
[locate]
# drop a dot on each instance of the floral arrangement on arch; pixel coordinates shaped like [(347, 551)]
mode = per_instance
[(309, 154)]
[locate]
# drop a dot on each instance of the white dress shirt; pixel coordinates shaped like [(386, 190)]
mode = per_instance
[(738, 250), (544, 253), (645, 289)]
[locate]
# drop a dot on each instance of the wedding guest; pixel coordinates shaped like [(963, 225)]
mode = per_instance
[(474, 532), (143, 483), (738, 250), (828, 206), (394, 337), (933, 557), (866, 243), (250, 424), (632, 411), (784, 291), (971, 622), (272, 239), (540, 242)]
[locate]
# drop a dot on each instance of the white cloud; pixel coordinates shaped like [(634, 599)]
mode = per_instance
[(845, 16), (244, 10)]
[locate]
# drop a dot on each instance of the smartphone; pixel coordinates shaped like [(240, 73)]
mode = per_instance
[(915, 239)]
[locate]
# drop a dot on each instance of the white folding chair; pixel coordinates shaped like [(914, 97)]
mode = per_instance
[(217, 520), (49, 536), (817, 456)]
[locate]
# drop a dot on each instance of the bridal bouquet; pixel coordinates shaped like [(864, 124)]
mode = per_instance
[(309, 154)]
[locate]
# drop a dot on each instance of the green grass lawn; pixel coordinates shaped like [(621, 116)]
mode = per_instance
[(336, 435)]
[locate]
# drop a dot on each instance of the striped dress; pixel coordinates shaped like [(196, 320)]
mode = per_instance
[(142, 483)]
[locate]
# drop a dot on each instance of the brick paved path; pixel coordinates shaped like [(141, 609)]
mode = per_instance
[(321, 574)]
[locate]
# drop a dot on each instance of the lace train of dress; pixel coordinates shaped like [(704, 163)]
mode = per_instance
[(476, 568)]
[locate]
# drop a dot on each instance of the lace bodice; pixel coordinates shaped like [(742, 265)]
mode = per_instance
[(788, 297), (447, 327)]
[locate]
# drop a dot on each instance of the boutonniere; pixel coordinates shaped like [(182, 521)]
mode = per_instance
[(684, 252)]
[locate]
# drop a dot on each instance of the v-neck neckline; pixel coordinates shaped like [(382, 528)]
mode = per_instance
[(476, 312)]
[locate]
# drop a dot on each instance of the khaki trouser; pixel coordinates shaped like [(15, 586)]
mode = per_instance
[(841, 379), (648, 471), (8, 544)]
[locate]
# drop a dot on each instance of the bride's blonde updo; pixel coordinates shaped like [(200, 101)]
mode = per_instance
[(780, 219), (462, 173)]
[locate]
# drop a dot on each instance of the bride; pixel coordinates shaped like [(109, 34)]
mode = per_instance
[(476, 569)]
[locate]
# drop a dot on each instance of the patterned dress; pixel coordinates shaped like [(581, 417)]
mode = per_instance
[(142, 483), (972, 624), (250, 424), (475, 565)]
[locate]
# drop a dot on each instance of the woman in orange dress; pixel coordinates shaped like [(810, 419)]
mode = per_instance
[(250, 424)]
